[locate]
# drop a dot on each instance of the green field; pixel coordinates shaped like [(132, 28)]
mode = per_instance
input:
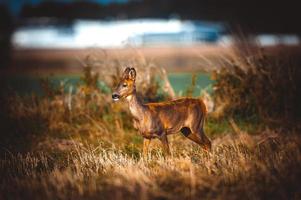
[(31, 84)]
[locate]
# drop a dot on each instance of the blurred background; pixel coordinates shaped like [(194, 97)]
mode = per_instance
[(53, 37), (62, 137), (40, 33)]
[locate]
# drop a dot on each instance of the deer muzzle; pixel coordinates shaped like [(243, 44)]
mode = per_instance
[(115, 97)]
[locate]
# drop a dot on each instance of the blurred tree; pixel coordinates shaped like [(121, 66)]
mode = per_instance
[(6, 28), (254, 15)]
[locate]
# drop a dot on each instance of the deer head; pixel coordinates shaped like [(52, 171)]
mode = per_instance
[(126, 86)]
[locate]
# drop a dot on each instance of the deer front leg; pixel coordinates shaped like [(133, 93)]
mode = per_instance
[(146, 143), (164, 141)]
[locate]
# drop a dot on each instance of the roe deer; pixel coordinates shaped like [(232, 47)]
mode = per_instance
[(157, 120)]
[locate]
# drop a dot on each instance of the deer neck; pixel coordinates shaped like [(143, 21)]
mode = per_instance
[(136, 107)]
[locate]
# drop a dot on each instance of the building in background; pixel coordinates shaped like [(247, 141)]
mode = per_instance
[(117, 34)]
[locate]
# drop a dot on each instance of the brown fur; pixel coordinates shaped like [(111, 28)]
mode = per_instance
[(157, 120)]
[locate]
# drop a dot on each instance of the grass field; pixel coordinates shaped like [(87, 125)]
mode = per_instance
[(78, 144), (28, 84), (239, 167)]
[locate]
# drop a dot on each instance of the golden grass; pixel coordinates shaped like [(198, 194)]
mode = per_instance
[(80, 145), (236, 169), (258, 83)]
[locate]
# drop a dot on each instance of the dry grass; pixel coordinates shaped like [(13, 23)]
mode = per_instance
[(74, 143), (239, 167), (255, 83)]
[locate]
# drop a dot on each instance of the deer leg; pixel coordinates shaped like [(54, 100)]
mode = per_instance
[(164, 141), (201, 139), (198, 137), (206, 142), (146, 143)]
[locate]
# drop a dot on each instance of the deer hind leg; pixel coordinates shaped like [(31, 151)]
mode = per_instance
[(205, 140), (198, 136)]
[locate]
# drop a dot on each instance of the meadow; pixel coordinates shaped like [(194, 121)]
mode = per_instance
[(70, 141), (28, 84)]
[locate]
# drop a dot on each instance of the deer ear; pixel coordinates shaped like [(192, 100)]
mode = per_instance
[(126, 72), (132, 74)]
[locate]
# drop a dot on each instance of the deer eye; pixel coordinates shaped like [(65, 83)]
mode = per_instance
[(124, 85)]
